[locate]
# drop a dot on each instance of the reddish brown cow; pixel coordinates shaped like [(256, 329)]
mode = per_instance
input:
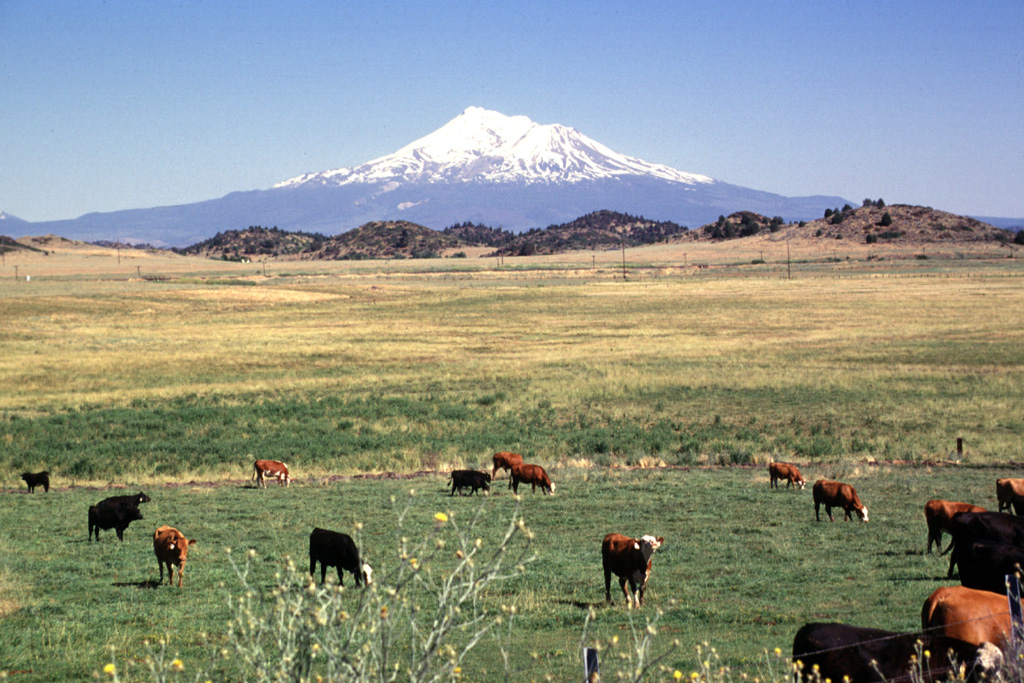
[(530, 474), (939, 513), (505, 461), (273, 468), (1008, 492), (630, 560), (787, 471), (171, 548), (836, 494), (972, 615)]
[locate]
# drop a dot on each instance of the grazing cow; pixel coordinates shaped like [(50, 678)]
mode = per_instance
[(461, 479), (630, 560), (273, 468), (116, 515), (787, 471), (37, 479), (335, 549), (171, 548), (835, 494), (967, 527), (938, 514), (968, 614), (1010, 492), (984, 564), (530, 474), (134, 500), (505, 461), (868, 655)]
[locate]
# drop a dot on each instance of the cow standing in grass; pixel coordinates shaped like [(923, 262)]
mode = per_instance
[(505, 461), (273, 468), (778, 471), (836, 494), (37, 479), (335, 549), (533, 475), (938, 515), (630, 560), (171, 548)]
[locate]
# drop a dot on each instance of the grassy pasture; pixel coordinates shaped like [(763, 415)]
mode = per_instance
[(742, 566), (341, 368)]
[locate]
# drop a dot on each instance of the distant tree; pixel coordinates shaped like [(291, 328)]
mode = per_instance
[(886, 220), (871, 238), (837, 218), (528, 249), (880, 203), (847, 207), (828, 212), (869, 202), (1019, 239)]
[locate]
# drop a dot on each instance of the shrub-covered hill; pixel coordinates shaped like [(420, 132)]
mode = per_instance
[(899, 223), (255, 242), (478, 235), (598, 230), (386, 239), (739, 224)]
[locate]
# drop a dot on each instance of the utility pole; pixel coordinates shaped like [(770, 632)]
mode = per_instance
[(789, 272), (623, 260)]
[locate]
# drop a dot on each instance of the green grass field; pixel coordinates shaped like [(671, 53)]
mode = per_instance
[(340, 369), (742, 566)]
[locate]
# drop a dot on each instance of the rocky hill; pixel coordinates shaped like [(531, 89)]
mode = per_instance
[(598, 230), (255, 242), (386, 240)]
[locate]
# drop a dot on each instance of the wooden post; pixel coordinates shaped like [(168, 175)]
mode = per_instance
[(789, 273), (15, 273), (138, 269), (623, 260), (591, 670), (960, 446)]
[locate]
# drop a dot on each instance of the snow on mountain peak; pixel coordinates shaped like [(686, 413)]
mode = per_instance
[(484, 145)]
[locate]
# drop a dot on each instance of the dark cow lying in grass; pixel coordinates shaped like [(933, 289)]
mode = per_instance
[(868, 655), (37, 479), (335, 549), (116, 515), (530, 474), (470, 479), (630, 560)]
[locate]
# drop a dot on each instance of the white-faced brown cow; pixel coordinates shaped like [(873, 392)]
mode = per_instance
[(533, 475), (834, 494), (971, 615), (505, 461), (171, 548), (272, 468), (783, 470), (939, 513), (630, 560), (1009, 492)]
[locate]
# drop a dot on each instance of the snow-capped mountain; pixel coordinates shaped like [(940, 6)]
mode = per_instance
[(481, 167), (487, 146)]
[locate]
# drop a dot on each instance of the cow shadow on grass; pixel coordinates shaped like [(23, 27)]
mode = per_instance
[(578, 604), (148, 583)]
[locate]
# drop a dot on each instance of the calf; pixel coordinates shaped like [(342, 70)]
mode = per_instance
[(630, 560), (968, 614), (1010, 492), (530, 474), (505, 461), (335, 549), (107, 515), (461, 479), (984, 564), (787, 471), (171, 548), (37, 479), (938, 515), (835, 494), (273, 468), (866, 655), (968, 527)]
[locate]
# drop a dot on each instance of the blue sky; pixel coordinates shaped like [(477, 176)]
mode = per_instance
[(116, 105)]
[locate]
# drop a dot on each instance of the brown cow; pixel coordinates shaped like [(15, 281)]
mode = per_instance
[(939, 513), (530, 474), (274, 468), (505, 461), (1009, 492), (836, 494), (630, 560), (972, 615), (787, 471), (171, 548)]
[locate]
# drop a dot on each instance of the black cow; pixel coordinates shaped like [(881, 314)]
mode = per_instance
[(133, 500), (984, 565), (37, 479), (461, 479), (117, 515), (852, 653), (968, 527), (335, 549)]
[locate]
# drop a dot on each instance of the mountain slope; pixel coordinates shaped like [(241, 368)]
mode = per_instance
[(481, 167)]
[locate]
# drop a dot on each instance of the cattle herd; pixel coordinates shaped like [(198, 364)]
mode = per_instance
[(968, 624)]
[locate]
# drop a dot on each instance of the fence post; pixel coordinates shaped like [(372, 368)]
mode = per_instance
[(1016, 617), (591, 671)]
